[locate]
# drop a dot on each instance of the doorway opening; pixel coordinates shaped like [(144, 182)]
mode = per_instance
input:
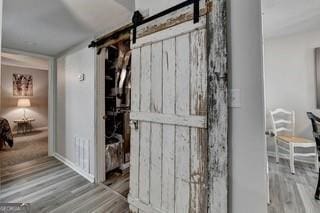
[(117, 100), (291, 79), (24, 108)]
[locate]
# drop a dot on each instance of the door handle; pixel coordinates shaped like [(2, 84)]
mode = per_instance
[(135, 124), (104, 117)]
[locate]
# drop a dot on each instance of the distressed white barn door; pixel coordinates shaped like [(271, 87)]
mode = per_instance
[(169, 121)]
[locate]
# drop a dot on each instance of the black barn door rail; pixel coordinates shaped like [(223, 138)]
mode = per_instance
[(138, 20)]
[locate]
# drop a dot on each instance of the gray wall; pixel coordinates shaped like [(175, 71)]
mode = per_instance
[(75, 102), (247, 124), (39, 100), (290, 77)]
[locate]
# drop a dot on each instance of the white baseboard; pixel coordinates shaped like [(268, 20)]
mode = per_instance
[(74, 167), (285, 156)]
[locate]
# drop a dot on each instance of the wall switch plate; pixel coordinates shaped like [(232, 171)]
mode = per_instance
[(234, 97), (81, 77)]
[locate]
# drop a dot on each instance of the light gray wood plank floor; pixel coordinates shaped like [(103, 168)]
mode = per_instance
[(50, 186), (118, 182), (292, 193)]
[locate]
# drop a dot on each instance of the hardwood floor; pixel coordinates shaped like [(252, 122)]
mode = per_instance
[(50, 186), (118, 182), (292, 193)]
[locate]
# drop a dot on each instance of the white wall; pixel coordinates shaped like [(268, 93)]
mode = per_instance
[(39, 100), (246, 133), (290, 77), (155, 6), (75, 102), (247, 124)]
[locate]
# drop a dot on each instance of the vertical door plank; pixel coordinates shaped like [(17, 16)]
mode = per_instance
[(156, 129), (182, 133), (168, 146), (145, 130), (135, 139), (217, 107), (198, 107)]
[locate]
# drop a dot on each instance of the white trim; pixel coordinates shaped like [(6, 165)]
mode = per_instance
[(52, 90), (74, 167), (99, 146)]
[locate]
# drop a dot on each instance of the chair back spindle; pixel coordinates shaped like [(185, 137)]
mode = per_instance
[(283, 122)]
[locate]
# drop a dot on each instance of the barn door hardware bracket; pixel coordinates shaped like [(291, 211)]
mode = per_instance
[(196, 11), (138, 19)]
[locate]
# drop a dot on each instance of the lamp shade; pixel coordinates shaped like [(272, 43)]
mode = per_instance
[(24, 103)]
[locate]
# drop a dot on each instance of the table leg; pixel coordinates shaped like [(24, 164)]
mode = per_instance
[(19, 128), (24, 128)]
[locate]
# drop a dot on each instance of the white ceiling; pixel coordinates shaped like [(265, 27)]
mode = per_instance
[(285, 17), (51, 26)]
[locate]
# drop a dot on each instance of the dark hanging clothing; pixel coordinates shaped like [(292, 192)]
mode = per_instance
[(5, 132)]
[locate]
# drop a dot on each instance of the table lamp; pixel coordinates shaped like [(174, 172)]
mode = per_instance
[(24, 103)]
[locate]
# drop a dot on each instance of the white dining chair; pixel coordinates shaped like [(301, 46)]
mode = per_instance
[(283, 122)]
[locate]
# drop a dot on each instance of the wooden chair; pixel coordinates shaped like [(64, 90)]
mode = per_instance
[(283, 128), (315, 121)]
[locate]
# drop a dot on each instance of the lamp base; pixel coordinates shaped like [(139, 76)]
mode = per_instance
[(24, 115)]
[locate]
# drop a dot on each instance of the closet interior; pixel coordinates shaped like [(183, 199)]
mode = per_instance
[(117, 115)]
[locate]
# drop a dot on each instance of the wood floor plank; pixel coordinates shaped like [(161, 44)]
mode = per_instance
[(28, 164), (292, 193), (119, 183), (27, 178), (30, 171), (34, 183), (63, 196), (50, 186), (42, 190)]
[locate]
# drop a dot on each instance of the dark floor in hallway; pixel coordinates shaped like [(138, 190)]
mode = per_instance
[(292, 193)]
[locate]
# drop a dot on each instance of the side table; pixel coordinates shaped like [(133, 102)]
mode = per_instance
[(24, 125)]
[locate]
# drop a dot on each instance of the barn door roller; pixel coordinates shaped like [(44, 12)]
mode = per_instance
[(138, 20)]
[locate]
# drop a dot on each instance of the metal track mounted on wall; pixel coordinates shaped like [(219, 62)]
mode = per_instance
[(138, 20)]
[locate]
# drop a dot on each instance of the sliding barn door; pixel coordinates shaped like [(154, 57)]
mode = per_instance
[(169, 126)]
